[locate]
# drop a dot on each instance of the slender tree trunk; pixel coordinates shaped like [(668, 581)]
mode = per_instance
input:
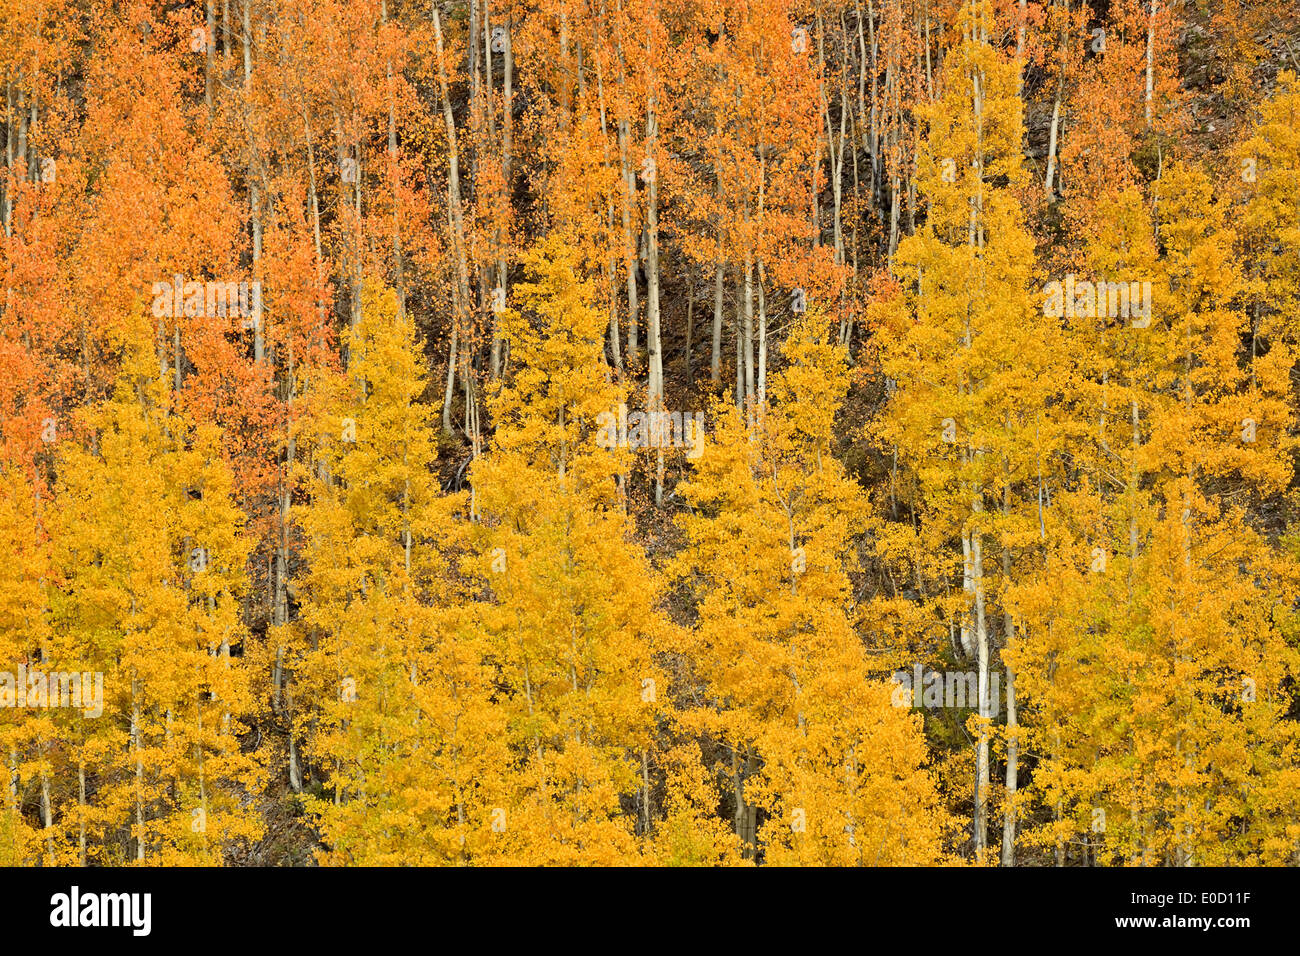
[(655, 382), (1049, 181), (507, 148), (399, 263), (982, 745), (209, 52), (461, 307), (313, 197), (81, 805), (748, 293), (760, 390), (690, 327), (254, 191), (629, 244), (1149, 98), (137, 747), (47, 815), (740, 362), (9, 160), (1013, 742), (719, 266), (715, 360)]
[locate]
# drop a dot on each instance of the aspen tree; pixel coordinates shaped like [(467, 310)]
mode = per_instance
[(835, 768), (398, 723), (967, 349), (150, 552), (570, 614), (1153, 753), (24, 636)]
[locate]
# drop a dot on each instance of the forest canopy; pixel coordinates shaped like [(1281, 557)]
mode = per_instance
[(649, 432)]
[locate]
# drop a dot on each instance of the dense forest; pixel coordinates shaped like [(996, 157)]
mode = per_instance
[(650, 432)]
